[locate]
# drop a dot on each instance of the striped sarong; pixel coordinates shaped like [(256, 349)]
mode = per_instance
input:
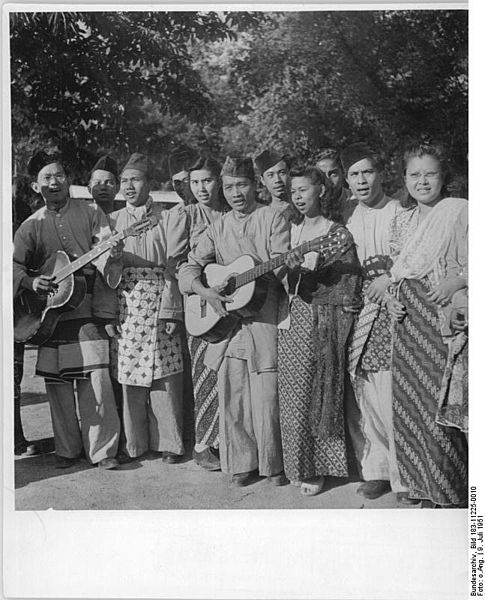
[(75, 349), (432, 458), (206, 398), (362, 329)]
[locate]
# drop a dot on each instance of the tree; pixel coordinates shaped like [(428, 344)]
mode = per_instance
[(308, 80), (93, 72), (94, 82)]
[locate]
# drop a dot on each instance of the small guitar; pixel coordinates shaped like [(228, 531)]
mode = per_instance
[(36, 316), (239, 279)]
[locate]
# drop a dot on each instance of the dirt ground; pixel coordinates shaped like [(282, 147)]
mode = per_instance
[(148, 483)]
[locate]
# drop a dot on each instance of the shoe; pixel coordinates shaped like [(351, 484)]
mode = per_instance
[(64, 462), (243, 479), (26, 449), (208, 459), (374, 489), (404, 499), (171, 458), (278, 480), (108, 463)]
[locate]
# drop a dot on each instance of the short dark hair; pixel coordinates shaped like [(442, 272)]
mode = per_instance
[(329, 202)]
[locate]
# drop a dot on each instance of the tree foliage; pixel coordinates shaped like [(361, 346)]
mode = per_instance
[(88, 76), (238, 82), (309, 80)]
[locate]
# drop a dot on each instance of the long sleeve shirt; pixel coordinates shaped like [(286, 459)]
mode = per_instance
[(185, 225), (75, 229), (261, 234), (370, 227), (149, 249)]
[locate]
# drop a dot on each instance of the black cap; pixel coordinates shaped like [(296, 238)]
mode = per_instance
[(106, 163), (355, 153), (268, 159), (41, 159), (238, 166)]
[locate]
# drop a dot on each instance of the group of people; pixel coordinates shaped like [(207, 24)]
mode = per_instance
[(354, 338)]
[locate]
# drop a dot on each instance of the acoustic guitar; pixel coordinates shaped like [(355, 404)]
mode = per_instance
[(36, 316), (241, 286)]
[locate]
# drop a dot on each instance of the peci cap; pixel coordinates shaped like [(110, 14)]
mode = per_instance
[(106, 163), (41, 159), (354, 153), (267, 159), (140, 162), (238, 166)]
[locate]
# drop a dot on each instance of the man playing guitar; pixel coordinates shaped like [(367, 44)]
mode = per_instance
[(78, 349), (246, 359)]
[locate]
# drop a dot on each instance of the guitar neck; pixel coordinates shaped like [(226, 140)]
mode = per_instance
[(268, 266), (83, 260)]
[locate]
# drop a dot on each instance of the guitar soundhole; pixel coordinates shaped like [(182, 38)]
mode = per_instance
[(230, 287)]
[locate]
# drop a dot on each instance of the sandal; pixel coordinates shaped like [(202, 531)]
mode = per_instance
[(312, 486)]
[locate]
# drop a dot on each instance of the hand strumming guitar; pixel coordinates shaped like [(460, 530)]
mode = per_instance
[(212, 295), (295, 259), (44, 285)]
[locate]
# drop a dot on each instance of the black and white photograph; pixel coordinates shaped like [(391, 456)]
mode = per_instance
[(239, 295)]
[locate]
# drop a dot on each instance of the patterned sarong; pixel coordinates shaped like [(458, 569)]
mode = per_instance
[(206, 398), (75, 349), (432, 458), (370, 346), (453, 402), (304, 453), (143, 351), (362, 329)]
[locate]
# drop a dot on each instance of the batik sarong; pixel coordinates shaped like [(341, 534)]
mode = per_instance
[(143, 352), (453, 401), (206, 399), (304, 453), (432, 458)]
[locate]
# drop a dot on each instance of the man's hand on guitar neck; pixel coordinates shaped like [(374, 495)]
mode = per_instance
[(44, 285), (116, 252), (213, 296)]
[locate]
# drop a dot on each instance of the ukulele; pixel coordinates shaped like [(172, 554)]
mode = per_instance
[(36, 316), (239, 279)]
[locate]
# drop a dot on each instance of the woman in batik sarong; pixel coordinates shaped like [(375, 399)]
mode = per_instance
[(186, 225), (430, 280), (312, 340)]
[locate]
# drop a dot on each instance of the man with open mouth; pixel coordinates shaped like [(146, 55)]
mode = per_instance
[(370, 349)]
